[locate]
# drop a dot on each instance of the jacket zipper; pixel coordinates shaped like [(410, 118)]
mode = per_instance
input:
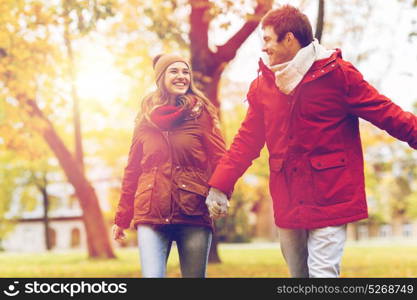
[(166, 135)]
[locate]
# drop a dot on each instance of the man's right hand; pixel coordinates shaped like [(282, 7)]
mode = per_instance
[(217, 203)]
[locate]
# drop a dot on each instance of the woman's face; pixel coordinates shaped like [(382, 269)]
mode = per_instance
[(177, 78)]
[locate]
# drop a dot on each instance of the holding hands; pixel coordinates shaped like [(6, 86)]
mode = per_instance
[(217, 203)]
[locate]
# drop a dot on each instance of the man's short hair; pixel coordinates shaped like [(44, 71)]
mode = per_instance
[(288, 18)]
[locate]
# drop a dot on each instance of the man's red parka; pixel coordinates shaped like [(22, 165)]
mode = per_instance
[(315, 153)]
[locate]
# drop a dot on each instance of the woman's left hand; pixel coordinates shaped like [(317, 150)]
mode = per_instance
[(118, 233)]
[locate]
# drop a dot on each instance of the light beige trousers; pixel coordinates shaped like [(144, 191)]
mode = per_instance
[(315, 252)]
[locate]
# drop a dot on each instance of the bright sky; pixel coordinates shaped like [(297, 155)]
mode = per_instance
[(97, 76)]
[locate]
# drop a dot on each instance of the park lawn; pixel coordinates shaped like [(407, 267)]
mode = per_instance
[(360, 260)]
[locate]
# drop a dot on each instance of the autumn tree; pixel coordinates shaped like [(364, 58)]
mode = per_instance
[(30, 53)]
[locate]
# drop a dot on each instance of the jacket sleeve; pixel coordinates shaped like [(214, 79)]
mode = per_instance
[(213, 141), (245, 147), (365, 101), (124, 212)]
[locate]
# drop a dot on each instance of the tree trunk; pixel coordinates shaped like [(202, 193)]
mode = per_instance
[(211, 90), (208, 66), (320, 20), (79, 154), (373, 227), (265, 225), (45, 220), (214, 257), (97, 238), (353, 231), (397, 222)]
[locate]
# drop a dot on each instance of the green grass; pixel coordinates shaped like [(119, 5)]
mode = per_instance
[(359, 260)]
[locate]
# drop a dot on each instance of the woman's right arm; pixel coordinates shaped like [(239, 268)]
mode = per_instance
[(124, 212)]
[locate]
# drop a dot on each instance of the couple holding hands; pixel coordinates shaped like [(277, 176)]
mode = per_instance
[(305, 105)]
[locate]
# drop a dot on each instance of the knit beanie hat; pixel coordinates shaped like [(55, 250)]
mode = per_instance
[(161, 63)]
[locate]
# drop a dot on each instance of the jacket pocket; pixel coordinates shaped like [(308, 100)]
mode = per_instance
[(143, 196), (192, 196), (328, 161), (332, 181)]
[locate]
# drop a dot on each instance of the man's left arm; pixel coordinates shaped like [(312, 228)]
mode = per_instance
[(365, 101)]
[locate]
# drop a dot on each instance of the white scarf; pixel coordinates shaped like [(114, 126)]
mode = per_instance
[(289, 74)]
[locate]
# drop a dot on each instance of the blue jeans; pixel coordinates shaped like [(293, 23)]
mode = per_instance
[(155, 242)]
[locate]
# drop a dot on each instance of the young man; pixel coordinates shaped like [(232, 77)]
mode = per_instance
[(306, 106)]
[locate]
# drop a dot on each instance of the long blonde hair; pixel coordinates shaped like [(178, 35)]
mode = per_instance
[(160, 97)]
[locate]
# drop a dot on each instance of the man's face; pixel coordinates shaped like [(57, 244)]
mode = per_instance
[(278, 52)]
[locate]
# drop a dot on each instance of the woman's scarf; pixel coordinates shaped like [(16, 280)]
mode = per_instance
[(168, 116)]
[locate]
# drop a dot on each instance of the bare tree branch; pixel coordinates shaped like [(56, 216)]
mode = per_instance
[(200, 20), (228, 51)]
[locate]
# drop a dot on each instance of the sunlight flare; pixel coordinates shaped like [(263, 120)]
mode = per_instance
[(98, 78)]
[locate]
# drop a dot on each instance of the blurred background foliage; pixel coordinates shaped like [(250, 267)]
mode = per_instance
[(98, 54)]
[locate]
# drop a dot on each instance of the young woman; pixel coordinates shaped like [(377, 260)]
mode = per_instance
[(175, 148)]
